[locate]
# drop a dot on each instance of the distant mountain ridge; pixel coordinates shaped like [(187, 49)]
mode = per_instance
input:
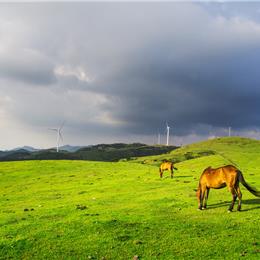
[(71, 148), (26, 148), (67, 147), (100, 152)]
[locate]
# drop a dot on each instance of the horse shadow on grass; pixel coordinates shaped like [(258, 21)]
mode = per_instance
[(177, 177), (245, 202), (182, 176)]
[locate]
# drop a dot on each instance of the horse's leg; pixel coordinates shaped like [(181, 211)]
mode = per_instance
[(201, 194), (171, 173), (239, 194), (206, 198), (198, 194), (234, 197), (161, 173)]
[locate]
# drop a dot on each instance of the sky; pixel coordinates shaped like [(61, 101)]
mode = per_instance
[(117, 72)]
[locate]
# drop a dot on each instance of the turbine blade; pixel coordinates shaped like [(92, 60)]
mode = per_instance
[(53, 129), (61, 126), (61, 137)]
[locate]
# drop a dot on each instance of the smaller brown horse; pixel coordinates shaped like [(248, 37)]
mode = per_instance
[(219, 178), (167, 166)]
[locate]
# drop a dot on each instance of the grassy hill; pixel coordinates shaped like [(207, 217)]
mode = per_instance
[(231, 150), (116, 210)]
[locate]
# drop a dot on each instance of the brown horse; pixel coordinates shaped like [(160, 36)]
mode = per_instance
[(219, 178), (167, 166)]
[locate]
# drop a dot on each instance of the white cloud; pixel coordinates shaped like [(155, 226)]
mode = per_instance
[(77, 72)]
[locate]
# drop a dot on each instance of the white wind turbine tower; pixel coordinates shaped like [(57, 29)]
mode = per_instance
[(229, 131), (59, 135), (159, 139), (168, 134)]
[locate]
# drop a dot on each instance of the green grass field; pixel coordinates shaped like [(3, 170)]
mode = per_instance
[(97, 210)]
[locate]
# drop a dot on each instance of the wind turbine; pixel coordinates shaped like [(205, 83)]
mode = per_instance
[(59, 135), (167, 134), (159, 139), (229, 131)]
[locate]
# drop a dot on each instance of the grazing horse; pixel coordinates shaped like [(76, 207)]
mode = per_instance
[(219, 178), (167, 166)]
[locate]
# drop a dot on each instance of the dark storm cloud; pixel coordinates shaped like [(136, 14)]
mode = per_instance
[(26, 66), (215, 86), (129, 68)]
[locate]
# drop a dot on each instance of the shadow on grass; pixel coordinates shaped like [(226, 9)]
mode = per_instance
[(245, 202), (251, 202), (183, 176), (218, 205), (176, 177)]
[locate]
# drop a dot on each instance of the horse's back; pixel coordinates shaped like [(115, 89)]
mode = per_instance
[(219, 177), (166, 166), (228, 172), (227, 169)]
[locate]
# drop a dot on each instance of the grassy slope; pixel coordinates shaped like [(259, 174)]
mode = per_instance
[(129, 210), (236, 150)]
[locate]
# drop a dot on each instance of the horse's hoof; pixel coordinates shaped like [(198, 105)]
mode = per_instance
[(199, 209), (229, 211)]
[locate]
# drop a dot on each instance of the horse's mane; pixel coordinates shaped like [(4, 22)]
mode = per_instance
[(207, 169)]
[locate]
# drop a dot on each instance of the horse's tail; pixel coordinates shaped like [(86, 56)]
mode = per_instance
[(249, 188)]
